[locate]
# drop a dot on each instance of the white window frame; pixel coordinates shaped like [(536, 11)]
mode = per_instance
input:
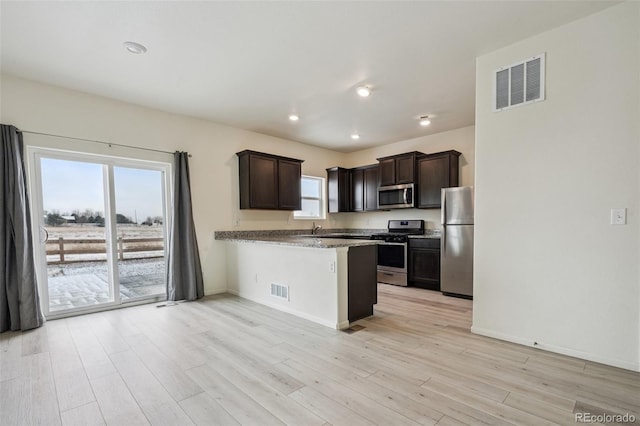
[(34, 155), (297, 214)]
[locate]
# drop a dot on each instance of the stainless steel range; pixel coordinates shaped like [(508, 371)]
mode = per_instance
[(392, 252)]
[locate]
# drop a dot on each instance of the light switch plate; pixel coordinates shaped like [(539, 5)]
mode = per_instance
[(619, 216)]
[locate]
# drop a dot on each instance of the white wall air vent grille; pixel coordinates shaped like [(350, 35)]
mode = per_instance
[(534, 79), (519, 84), (280, 291), (502, 89)]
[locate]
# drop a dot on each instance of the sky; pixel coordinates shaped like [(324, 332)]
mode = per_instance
[(74, 185)]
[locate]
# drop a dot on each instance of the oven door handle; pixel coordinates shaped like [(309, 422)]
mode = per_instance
[(384, 243)]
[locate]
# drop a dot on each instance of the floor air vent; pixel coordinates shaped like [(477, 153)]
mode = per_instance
[(519, 84), (280, 291)]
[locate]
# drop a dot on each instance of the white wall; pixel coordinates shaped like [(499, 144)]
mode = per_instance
[(549, 268), (43, 108), (462, 140), (316, 291), (214, 168)]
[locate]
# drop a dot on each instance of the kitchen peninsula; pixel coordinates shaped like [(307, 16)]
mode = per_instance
[(330, 281)]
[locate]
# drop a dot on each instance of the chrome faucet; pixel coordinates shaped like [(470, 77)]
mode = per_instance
[(315, 228)]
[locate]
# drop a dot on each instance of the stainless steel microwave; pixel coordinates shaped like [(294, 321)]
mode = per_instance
[(396, 196)]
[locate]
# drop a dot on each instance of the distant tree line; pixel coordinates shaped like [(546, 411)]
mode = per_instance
[(149, 221), (54, 218)]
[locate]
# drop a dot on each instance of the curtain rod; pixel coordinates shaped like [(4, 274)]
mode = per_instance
[(95, 141)]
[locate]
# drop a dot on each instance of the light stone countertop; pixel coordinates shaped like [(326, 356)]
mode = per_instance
[(303, 241), (301, 237)]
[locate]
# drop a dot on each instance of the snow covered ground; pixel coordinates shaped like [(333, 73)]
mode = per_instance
[(84, 284), (126, 268)]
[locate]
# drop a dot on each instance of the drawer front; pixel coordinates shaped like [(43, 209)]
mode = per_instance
[(396, 278), (429, 243)]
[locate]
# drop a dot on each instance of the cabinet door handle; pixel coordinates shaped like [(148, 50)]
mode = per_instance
[(389, 274)]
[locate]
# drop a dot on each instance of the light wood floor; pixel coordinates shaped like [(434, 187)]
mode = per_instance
[(228, 361)]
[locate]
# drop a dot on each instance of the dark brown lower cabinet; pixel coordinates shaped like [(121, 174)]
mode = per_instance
[(424, 263), (363, 281)]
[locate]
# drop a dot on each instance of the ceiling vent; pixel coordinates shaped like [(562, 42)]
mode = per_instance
[(519, 84)]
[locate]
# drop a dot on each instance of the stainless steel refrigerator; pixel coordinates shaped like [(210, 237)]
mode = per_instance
[(456, 244)]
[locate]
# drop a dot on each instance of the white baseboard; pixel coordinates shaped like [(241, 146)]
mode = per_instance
[(321, 321), (557, 349), (343, 325), (216, 291)]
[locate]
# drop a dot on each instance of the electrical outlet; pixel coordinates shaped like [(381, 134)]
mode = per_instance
[(619, 216), (332, 267)]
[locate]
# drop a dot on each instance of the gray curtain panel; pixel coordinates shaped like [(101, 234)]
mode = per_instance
[(19, 300), (184, 272)]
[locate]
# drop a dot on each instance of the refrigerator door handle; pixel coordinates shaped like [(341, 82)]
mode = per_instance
[(444, 241), (443, 206)]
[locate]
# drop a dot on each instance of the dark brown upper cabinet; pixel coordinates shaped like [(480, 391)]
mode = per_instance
[(269, 182), (364, 188), (339, 190), (352, 190), (289, 185), (357, 190), (387, 172), (398, 169), (436, 171), (371, 187)]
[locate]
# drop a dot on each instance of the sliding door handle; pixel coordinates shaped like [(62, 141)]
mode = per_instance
[(46, 235)]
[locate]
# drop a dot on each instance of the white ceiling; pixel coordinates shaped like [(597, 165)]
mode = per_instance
[(251, 64)]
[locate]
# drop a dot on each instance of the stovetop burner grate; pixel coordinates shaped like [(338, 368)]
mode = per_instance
[(399, 230)]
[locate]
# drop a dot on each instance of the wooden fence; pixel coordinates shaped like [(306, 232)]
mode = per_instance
[(63, 248)]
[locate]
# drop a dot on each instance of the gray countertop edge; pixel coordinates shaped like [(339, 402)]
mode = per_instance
[(285, 233), (282, 233), (304, 242)]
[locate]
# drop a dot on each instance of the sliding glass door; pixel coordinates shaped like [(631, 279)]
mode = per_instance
[(73, 222), (102, 228), (140, 219)]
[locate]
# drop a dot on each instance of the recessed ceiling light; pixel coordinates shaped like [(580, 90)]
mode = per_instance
[(294, 117), (135, 48), (363, 91), (424, 121), (355, 136)]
